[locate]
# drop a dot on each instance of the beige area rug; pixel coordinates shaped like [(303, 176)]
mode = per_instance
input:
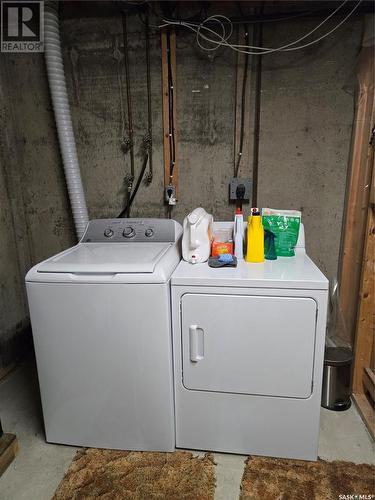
[(271, 478), (117, 475)]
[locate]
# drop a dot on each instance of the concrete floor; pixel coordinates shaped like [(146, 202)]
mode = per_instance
[(39, 467)]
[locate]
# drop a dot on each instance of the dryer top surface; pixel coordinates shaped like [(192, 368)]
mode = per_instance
[(285, 272)]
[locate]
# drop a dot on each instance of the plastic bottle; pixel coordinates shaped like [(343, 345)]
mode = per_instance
[(269, 245), (255, 237), (238, 234)]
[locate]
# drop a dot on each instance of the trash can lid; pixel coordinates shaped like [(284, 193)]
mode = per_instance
[(337, 356)]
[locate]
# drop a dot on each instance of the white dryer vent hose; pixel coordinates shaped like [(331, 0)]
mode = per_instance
[(59, 95)]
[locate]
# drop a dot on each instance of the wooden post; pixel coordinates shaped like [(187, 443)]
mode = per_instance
[(8, 449), (359, 179), (165, 101), (363, 369)]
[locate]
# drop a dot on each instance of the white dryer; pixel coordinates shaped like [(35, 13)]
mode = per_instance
[(248, 356), (100, 315)]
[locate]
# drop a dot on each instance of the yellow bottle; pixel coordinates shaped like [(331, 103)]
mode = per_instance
[(255, 238)]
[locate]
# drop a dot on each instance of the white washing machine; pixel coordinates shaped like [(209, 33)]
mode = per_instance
[(100, 315), (248, 356)]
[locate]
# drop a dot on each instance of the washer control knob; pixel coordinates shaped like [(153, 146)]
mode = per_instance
[(108, 233), (129, 232), (149, 232)]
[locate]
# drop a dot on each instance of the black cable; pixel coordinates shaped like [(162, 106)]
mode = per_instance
[(130, 142), (172, 143), (238, 3), (130, 200), (252, 19), (258, 36), (243, 103), (149, 107), (235, 103), (132, 192), (168, 8), (170, 104), (247, 19), (270, 19), (135, 4)]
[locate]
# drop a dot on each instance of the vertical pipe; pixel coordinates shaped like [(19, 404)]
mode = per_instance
[(59, 95)]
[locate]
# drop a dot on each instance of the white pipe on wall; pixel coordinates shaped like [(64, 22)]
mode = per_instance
[(59, 95)]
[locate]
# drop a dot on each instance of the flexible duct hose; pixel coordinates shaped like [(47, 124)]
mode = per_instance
[(59, 95)]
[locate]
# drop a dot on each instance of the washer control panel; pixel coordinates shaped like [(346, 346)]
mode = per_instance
[(130, 230)]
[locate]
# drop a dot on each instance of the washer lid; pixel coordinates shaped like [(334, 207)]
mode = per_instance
[(96, 258)]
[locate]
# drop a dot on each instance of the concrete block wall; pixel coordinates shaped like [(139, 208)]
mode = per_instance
[(306, 117), (306, 122)]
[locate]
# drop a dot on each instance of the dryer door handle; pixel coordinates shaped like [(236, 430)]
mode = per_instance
[(196, 339)]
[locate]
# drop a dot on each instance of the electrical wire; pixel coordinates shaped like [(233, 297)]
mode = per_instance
[(235, 105), (224, 36), (243, 103), (117, 56), (243, 19), (148, 140), (202, 32), (129, 142), (264, 20), (128, 202), (172, 142), (257, 37), (130, 198), (329, 32), (135, 3), (284, 47)]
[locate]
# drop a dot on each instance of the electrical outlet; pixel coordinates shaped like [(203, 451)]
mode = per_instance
[(170, 195), (235, 182)]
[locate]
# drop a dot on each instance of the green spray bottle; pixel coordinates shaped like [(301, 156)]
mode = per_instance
[(269, 245)]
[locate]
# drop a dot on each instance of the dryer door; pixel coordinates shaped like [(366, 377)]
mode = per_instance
[(248, 344)]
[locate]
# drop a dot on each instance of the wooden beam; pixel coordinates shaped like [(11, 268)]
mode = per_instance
[(364, 339), (4, 370), (165, 107), (359, 178), (369, 382), (363, 375), (8, 451), (366, 411)]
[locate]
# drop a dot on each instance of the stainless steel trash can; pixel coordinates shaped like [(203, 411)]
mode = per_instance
[(336, 378)]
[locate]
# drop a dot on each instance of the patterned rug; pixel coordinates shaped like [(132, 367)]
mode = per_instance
[(271, 478), (117, 475)]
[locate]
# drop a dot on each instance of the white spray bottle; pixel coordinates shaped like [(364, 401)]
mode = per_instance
[(238, 234)]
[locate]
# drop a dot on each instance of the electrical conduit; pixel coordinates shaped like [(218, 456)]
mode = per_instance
[(59, 95)]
